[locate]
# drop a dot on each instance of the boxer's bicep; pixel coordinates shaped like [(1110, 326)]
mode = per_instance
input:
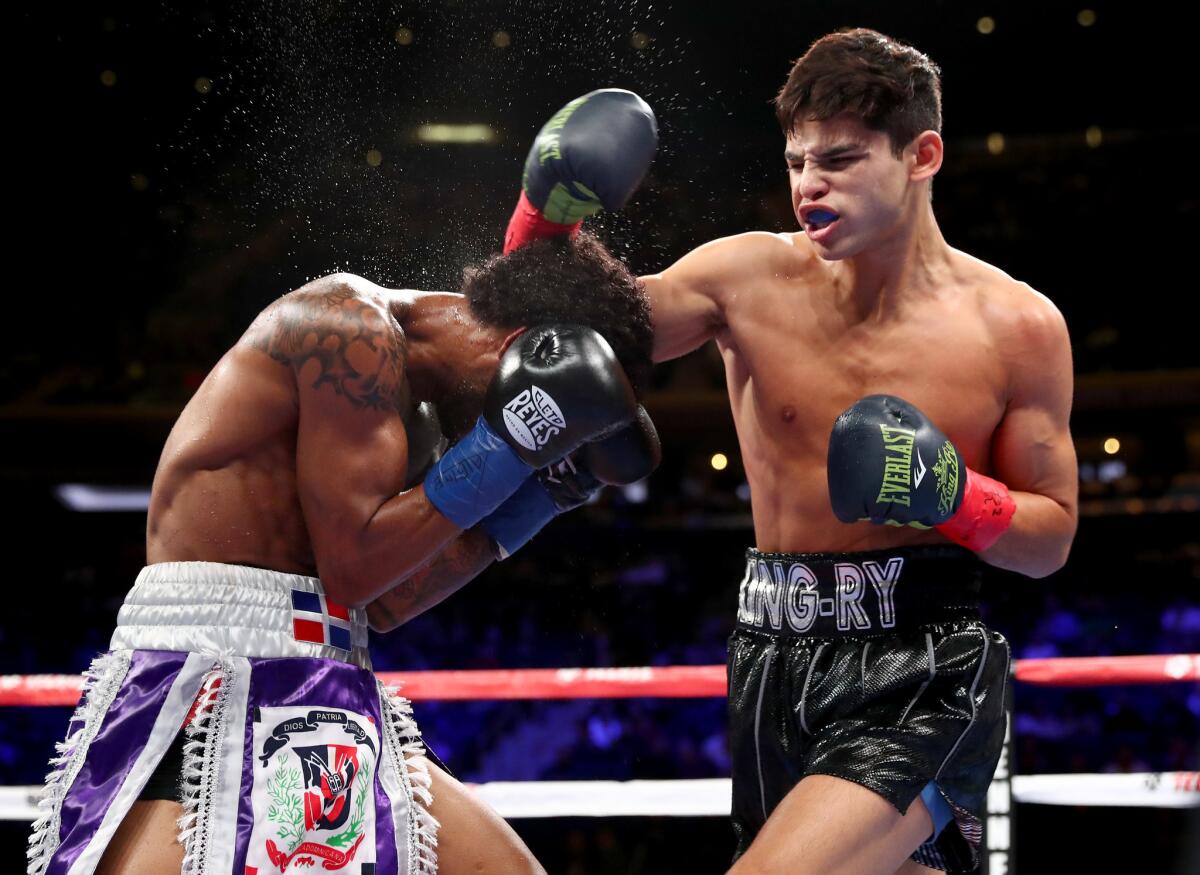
[(350, 460), (683, 316), (1032, 450), (351, 445), (685, 299)]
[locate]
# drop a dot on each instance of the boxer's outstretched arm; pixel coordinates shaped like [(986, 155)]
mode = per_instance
[(687, 300), (351, 445), (457, 565), (1032, 449), (684, 302)]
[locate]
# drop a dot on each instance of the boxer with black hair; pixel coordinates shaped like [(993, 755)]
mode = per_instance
[(357, 456)]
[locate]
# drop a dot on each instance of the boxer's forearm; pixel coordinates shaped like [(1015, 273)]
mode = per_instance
[(358, 563), (1037, 542), (451, 569)]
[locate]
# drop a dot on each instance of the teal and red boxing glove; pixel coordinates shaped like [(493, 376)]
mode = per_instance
[(592, 154), (889, 464)]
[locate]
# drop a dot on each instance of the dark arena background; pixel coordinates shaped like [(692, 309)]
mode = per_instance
[(175, 167)]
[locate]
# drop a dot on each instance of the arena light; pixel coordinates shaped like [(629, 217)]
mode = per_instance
[(719, 461), (447, 133), (636, 493), (93, 499), (1112, 446)]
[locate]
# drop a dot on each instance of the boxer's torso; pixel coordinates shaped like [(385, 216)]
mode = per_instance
[(226, 486), (798, 351)]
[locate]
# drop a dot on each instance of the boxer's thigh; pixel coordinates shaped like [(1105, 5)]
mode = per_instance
[(912, 867), (472, 837), (146, 841), (830, 826)]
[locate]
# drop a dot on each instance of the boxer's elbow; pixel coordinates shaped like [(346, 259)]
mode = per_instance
[(1047, 563), (1041, 558), (347, 581), (380, 618)]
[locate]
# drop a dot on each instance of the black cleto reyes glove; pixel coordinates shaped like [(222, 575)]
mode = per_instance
[(557, 387)]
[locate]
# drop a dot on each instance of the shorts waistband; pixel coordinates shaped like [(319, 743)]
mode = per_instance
[(234, 610), (880, 592)]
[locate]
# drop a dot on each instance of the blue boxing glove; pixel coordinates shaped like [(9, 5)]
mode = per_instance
[(554, 490), (627, 456)]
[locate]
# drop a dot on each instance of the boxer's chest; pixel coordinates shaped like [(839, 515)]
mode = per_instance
[(790, 373)]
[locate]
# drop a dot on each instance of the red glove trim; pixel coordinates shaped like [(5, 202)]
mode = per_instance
[(528, 224), (985, 513)]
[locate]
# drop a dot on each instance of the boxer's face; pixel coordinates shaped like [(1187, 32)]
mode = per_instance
[(849, 192), (462, 402)]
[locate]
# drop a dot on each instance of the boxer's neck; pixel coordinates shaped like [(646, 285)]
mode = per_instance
[(449, 351), (905, 265)]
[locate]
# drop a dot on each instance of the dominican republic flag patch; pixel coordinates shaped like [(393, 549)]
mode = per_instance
[(320, 620)]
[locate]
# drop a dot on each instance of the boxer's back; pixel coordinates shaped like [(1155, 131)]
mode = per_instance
[(225, 489)]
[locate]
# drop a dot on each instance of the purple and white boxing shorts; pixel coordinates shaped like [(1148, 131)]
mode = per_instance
[(296, 755)]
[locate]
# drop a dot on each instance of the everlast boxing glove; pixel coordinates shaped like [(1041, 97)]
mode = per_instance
[(556, 387), (592, 153), (888, 463), (627, 456)]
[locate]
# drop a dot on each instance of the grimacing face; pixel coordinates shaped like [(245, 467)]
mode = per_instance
[(849, 191)]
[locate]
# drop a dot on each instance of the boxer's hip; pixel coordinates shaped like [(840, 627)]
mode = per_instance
[(872, 667), (235, 610), (291, 748), (840, 595)]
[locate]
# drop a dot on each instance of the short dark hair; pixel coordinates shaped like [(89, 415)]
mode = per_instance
[(564, 279), (886, 84)]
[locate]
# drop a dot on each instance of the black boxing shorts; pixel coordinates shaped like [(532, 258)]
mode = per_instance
[(873, 667)]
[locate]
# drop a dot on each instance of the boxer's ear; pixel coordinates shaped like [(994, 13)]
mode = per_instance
[(508, 341)]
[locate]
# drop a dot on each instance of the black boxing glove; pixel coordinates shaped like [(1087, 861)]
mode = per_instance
[(556, 387), (625, 457), (889, 464)]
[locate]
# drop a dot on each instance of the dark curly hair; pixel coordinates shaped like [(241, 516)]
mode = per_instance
[(888, 85), (563, 279)]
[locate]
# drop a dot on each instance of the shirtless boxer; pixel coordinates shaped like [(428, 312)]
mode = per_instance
[(866, 697), (302, 491)]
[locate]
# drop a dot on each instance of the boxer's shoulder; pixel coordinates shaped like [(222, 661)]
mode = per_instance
[(759, 250), (1023, 324), (1013, 310), (337, 331), (754, 257), (339, 294), (330, 312)]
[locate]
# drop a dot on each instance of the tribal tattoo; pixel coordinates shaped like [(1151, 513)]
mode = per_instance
[(332, 326)]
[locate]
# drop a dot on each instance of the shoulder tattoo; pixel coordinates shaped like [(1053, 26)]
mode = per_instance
[(359, 352)]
